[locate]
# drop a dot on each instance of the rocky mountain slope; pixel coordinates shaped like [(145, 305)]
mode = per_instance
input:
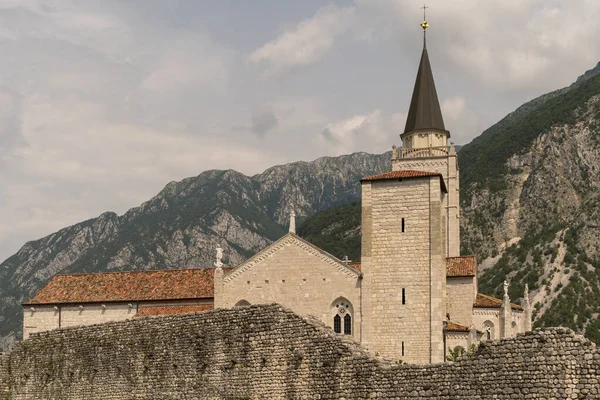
[(530, 204), (183, 224), (530, 188)]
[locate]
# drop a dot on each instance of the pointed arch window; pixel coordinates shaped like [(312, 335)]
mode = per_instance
[(337, 324), (347, 325), (342, 312)]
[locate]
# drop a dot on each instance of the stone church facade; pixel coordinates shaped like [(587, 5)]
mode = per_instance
[(412, 297)]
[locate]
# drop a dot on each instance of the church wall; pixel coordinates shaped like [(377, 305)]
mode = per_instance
[(95, 314), (481, 315), (41, 318), (266, 352), (48, 317), (460, 299), (454, 339), (299, 277), (399, 260), (448, 167)]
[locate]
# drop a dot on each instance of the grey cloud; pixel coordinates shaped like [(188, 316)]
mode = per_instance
[(10, 124), (329, 136), (263, 122)]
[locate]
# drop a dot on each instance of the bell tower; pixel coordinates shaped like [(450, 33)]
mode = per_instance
[(425, 146), (404, 239)]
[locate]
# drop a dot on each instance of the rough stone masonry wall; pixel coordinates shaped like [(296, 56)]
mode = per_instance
[(267, 352)]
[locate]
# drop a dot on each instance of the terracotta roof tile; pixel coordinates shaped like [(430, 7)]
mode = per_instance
[(127, 286), (454, 327), (461, 266), (407, 174), (355, 265), (485, 301), (170, 310)]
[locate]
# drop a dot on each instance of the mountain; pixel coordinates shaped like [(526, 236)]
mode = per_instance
[(530, 204), (530, 197), (183, 224)]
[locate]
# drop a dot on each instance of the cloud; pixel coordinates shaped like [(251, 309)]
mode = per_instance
[(263, 122), (189, 61), (462, 122), (372, 132), (307, 42)]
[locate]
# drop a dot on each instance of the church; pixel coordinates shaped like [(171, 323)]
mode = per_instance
[(412, 297)]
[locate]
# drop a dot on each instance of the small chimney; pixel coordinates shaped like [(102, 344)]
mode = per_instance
[(293, 222)]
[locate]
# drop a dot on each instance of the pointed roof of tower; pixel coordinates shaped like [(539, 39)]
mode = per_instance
[(424, 111)]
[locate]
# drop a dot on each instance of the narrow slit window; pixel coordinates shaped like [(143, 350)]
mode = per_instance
[(403, 296), (347, 325), (337, 324), (402, 349), (403, 225)]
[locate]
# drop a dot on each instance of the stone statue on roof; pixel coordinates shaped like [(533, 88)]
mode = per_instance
[(219, 262), (506, 288)]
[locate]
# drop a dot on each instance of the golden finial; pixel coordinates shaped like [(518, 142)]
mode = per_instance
[(424, 25)]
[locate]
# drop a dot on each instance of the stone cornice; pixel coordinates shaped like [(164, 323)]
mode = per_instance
[(291, 239)]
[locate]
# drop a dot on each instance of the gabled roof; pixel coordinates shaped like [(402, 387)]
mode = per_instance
[(406, 174), (424, 112), (485, 301), (170, 310), (454, 327), (291, 238), (174, 284), (461, 266)]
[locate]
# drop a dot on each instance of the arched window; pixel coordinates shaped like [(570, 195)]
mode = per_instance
[(488, 329), (337, 324), (342, 311), (514, 329), (241, 303)]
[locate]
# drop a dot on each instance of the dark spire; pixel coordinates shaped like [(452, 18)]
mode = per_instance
[(424, 111)]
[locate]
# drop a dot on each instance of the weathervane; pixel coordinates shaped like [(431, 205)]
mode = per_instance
[(424, 25)]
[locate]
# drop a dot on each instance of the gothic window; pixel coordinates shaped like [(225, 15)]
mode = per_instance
[(347, 325), (337, 324), (488, 328), (342, 311)]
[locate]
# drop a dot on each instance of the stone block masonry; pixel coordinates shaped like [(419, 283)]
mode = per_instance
[(268, 352)]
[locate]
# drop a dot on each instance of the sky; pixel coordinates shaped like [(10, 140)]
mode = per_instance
[(102, 103)]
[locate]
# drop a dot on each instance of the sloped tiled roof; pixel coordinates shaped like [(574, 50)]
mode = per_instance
[(355, 265), (461, 266), (407, 174), (127, 286), (170, 310), (454, 327), (485, 301)]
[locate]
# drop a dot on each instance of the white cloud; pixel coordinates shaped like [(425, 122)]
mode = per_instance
[(462, 122), (372, 132), (307, 42)]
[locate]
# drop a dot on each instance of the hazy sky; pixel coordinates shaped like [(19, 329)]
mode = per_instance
[(104, 102)]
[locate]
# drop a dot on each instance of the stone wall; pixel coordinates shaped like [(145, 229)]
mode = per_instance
[(460, 299), (267, 352)]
